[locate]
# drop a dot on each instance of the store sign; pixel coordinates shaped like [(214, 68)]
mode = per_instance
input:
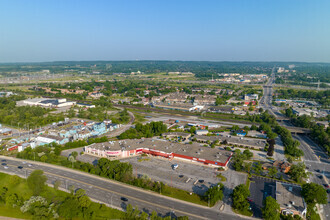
[(113, 152)]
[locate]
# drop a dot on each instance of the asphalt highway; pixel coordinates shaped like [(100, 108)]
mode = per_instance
[(317, 162), (111, 192)]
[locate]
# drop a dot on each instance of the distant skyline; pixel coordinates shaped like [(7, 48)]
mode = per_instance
[(194, 30)]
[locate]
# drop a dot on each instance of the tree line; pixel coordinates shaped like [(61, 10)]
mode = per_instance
[(148, 130)]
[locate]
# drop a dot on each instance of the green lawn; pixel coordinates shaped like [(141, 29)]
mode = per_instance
[(222, 178), (184, 195), (52, 195), (246, 213), (13, 213)]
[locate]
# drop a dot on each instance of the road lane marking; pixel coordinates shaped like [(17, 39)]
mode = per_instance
[(120, 194)]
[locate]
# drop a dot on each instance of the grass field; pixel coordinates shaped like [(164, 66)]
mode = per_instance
[(23, 191)]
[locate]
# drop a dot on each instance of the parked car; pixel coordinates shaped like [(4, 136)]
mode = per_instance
[(6, 167), (175, 166), (20, 167), (124, 199)]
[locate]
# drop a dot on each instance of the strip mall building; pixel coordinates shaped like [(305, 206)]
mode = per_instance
[(161, 148)]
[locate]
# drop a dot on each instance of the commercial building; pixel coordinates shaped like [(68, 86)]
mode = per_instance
[(46, 102), (252, 143), (289, 197), (249, 97), (85, 106), (221, 109), (161, 148), (201, 132)]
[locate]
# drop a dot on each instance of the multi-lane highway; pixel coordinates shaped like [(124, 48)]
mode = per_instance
[(110, 192), (317, 162)]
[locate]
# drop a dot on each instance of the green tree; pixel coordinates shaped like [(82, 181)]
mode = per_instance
[(192, 129), (3, 194), (253, 127), (131, 213), (69, 208), (36, 182), (271, 209), (239, 196), (247, 167), (247, 154), (271, 135), (12, 200), (74, 154), (272, 172), (235, 128), (257, 168), (14, 180), (297, 172), (82, 198), (238, 160), (57, 184), (314, 193), (43, 158), (214, 194)]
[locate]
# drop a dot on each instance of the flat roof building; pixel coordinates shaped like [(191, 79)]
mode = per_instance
[(161, 148), (289, 197), (47, 102)]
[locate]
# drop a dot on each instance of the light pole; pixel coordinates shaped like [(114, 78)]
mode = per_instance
[(19, 132), (209, 200)]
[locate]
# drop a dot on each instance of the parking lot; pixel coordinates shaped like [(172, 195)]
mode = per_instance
[(187, 176), (260, 188)]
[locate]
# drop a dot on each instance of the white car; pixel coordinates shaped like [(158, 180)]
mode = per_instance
[(6, 167), (24, 162), (30, 165)]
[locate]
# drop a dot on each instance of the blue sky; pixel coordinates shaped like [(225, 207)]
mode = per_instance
[(219, 30)]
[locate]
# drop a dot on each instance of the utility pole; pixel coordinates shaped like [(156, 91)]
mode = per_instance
[(209, 200)]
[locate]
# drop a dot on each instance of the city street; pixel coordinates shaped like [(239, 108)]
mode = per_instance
[(102, 189)]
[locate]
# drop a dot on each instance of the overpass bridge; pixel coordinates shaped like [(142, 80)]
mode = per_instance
[(297, 130)]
